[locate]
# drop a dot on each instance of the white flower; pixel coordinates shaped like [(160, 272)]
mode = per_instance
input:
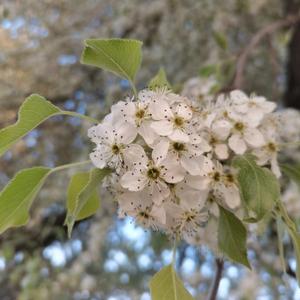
[(221, 183), (138, 115), (111, 142), (172, 123), (244, 134), (140, 206), (217, 135), (153, 175), (188, 155), (255, 107)]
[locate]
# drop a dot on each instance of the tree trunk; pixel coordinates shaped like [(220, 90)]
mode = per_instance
[(292, 93)]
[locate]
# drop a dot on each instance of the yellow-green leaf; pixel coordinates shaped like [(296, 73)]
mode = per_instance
[(166, 285), (232, 237), (17, 197), (159, 80), (76, 185), (120, 56), (33, 112), (83, 196), (258, 186)]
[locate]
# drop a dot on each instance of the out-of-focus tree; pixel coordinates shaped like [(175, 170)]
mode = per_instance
[(41, 42)]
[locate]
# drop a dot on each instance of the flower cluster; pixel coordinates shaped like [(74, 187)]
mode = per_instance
[(171, 158)]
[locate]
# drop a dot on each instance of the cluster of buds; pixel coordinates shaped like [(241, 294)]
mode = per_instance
[(171, 156)]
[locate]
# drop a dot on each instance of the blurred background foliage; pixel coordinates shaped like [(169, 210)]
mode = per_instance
[(41, 42)]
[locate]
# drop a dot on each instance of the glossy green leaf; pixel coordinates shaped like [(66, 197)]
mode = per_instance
[(81, 201), (77, 183), (166, 285), (120, 56), (17, 197), (293, 172), (33, 112), (232, 237), (159, 80), (258, 186)]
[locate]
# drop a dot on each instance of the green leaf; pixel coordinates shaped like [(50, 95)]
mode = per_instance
[(296, 243), (76, 185), (166, 285), (17, 197), (81, 202), (293, 172), (33, 112), (120, 56), (280, 235), (220, 39), (159, 80), (208, 70), (293, 232), (232, 236), (258, 186)]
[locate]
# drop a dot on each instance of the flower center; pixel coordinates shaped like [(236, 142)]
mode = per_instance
[(144, 214), (115, 149), (229, 178), (178, 147), (272, 147), (140, 114), (153, 173), (239, 126), (178, 121), (216, 176)]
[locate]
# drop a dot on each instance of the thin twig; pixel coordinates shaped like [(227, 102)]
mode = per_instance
[(245, 54), (218, 276)]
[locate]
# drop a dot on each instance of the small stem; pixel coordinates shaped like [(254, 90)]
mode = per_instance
[(75, 114), (215, 285), (174, 253), (72, 165)]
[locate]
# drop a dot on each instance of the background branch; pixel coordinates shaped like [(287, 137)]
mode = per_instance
[(218, 276), (262, 33)]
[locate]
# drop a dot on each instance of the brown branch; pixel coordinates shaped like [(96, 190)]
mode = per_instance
[(215, 285), (245, 54)]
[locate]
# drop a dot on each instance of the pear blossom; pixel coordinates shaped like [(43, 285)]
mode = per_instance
[(171, 157)]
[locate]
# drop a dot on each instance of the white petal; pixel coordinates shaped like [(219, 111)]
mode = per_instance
[(160, 110), (221, 151), (172, 171), (126, 133), (159, 213), (179, 136), (274, 166), (160, 151), (231, 196), (221, 129), (184, 111), (133, 180), (147, 132), (163, 128), (198, 182), (158, 191), (254, 137), (193, 165), (238, 97), (237, 144), (123, 111), (191, 198), (135, 154), (98, 160)]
